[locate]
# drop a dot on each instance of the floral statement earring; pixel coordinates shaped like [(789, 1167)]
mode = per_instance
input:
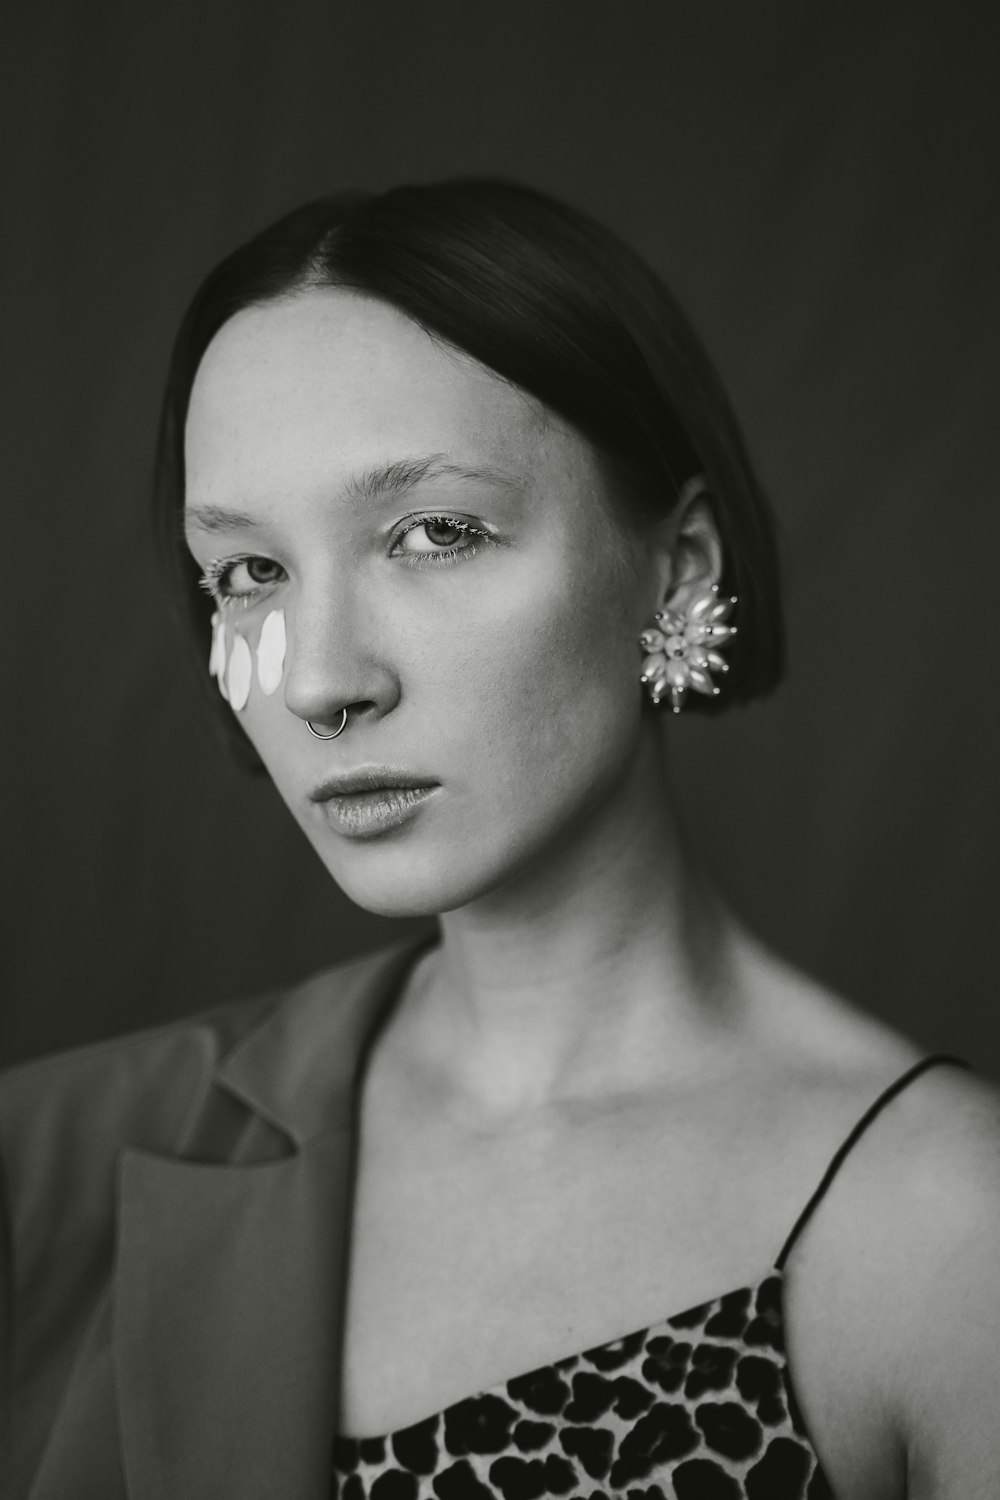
[(682, 649)]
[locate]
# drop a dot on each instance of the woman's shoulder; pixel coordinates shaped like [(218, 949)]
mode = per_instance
[(919, 1129), (893, 1292), (149, 1079), (239, 1084), (80, 1067), (919, 1158), (830, 1054)]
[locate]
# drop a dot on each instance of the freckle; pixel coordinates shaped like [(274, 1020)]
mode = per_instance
[(271, 651), (239, 673)]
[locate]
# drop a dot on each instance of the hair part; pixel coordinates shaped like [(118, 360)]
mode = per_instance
[(551, 301)]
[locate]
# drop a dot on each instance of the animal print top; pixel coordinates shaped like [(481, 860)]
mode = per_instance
[(698, 1407)]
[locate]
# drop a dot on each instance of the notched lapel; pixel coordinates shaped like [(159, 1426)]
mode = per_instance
[(227, 1311), (229, 1278)]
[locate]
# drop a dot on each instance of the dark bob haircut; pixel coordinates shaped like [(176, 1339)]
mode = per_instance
[(553, 302)]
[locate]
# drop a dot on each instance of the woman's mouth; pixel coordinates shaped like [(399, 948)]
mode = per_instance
[(368, 814)]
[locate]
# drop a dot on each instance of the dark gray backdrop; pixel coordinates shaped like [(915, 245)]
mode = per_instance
[(818, 182)]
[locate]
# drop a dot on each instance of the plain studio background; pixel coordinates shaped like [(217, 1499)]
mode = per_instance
[(819, 184)]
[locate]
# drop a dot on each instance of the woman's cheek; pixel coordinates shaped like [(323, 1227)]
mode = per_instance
[(546, 680), (571, 644)]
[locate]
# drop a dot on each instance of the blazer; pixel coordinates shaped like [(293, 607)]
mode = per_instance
[(176, 1218)]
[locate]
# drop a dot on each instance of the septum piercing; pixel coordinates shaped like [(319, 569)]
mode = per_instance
[(339, 730)]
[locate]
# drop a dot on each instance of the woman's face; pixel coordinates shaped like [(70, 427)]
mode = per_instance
[(480, 623)]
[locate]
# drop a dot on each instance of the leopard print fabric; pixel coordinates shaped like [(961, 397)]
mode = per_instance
[(699, 1407)]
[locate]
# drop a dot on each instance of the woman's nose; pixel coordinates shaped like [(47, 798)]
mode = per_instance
[(335, 662)]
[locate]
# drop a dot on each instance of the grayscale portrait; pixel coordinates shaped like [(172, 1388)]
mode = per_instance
[(500, 821)]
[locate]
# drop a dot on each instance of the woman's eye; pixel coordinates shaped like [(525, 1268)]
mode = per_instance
[(442, 537), (239, 578), (433, 539)]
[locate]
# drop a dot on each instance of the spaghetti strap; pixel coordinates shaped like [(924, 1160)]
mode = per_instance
[(859, 1129)]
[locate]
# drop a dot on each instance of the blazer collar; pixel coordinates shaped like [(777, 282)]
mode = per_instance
[(298, 1068), (229, 1280)]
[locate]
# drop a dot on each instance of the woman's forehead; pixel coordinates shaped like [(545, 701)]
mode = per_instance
[(328, 359), (330, 382)]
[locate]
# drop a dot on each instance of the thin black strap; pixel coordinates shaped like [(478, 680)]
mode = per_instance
[(859, 1129)]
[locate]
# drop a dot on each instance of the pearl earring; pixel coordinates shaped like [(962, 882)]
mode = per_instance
[(682, 649)]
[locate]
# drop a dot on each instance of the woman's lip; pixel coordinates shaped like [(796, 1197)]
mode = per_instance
[(367, 779), (368, 814)]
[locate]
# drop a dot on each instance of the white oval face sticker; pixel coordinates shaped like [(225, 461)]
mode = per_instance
[(217, 659), (271, 651), (239, 673), (220, 656)]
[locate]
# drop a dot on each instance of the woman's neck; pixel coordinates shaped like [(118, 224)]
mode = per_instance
[(600, 973)]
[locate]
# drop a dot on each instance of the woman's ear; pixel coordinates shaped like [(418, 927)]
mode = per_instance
[(689, 549), (692, 621), (698, 550)]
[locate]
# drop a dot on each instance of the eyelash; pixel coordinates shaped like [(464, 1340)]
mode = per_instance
[(215, 574)]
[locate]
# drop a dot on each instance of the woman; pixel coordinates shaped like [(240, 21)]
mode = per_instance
[(590, 1194)]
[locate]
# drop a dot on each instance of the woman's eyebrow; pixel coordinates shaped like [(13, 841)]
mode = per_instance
[(392, 478), (401, 474)]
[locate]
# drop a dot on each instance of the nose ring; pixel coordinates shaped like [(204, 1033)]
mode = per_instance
[(339, 730)]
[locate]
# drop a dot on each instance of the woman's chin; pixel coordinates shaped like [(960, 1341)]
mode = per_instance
[(406, 882), (424, 869)]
